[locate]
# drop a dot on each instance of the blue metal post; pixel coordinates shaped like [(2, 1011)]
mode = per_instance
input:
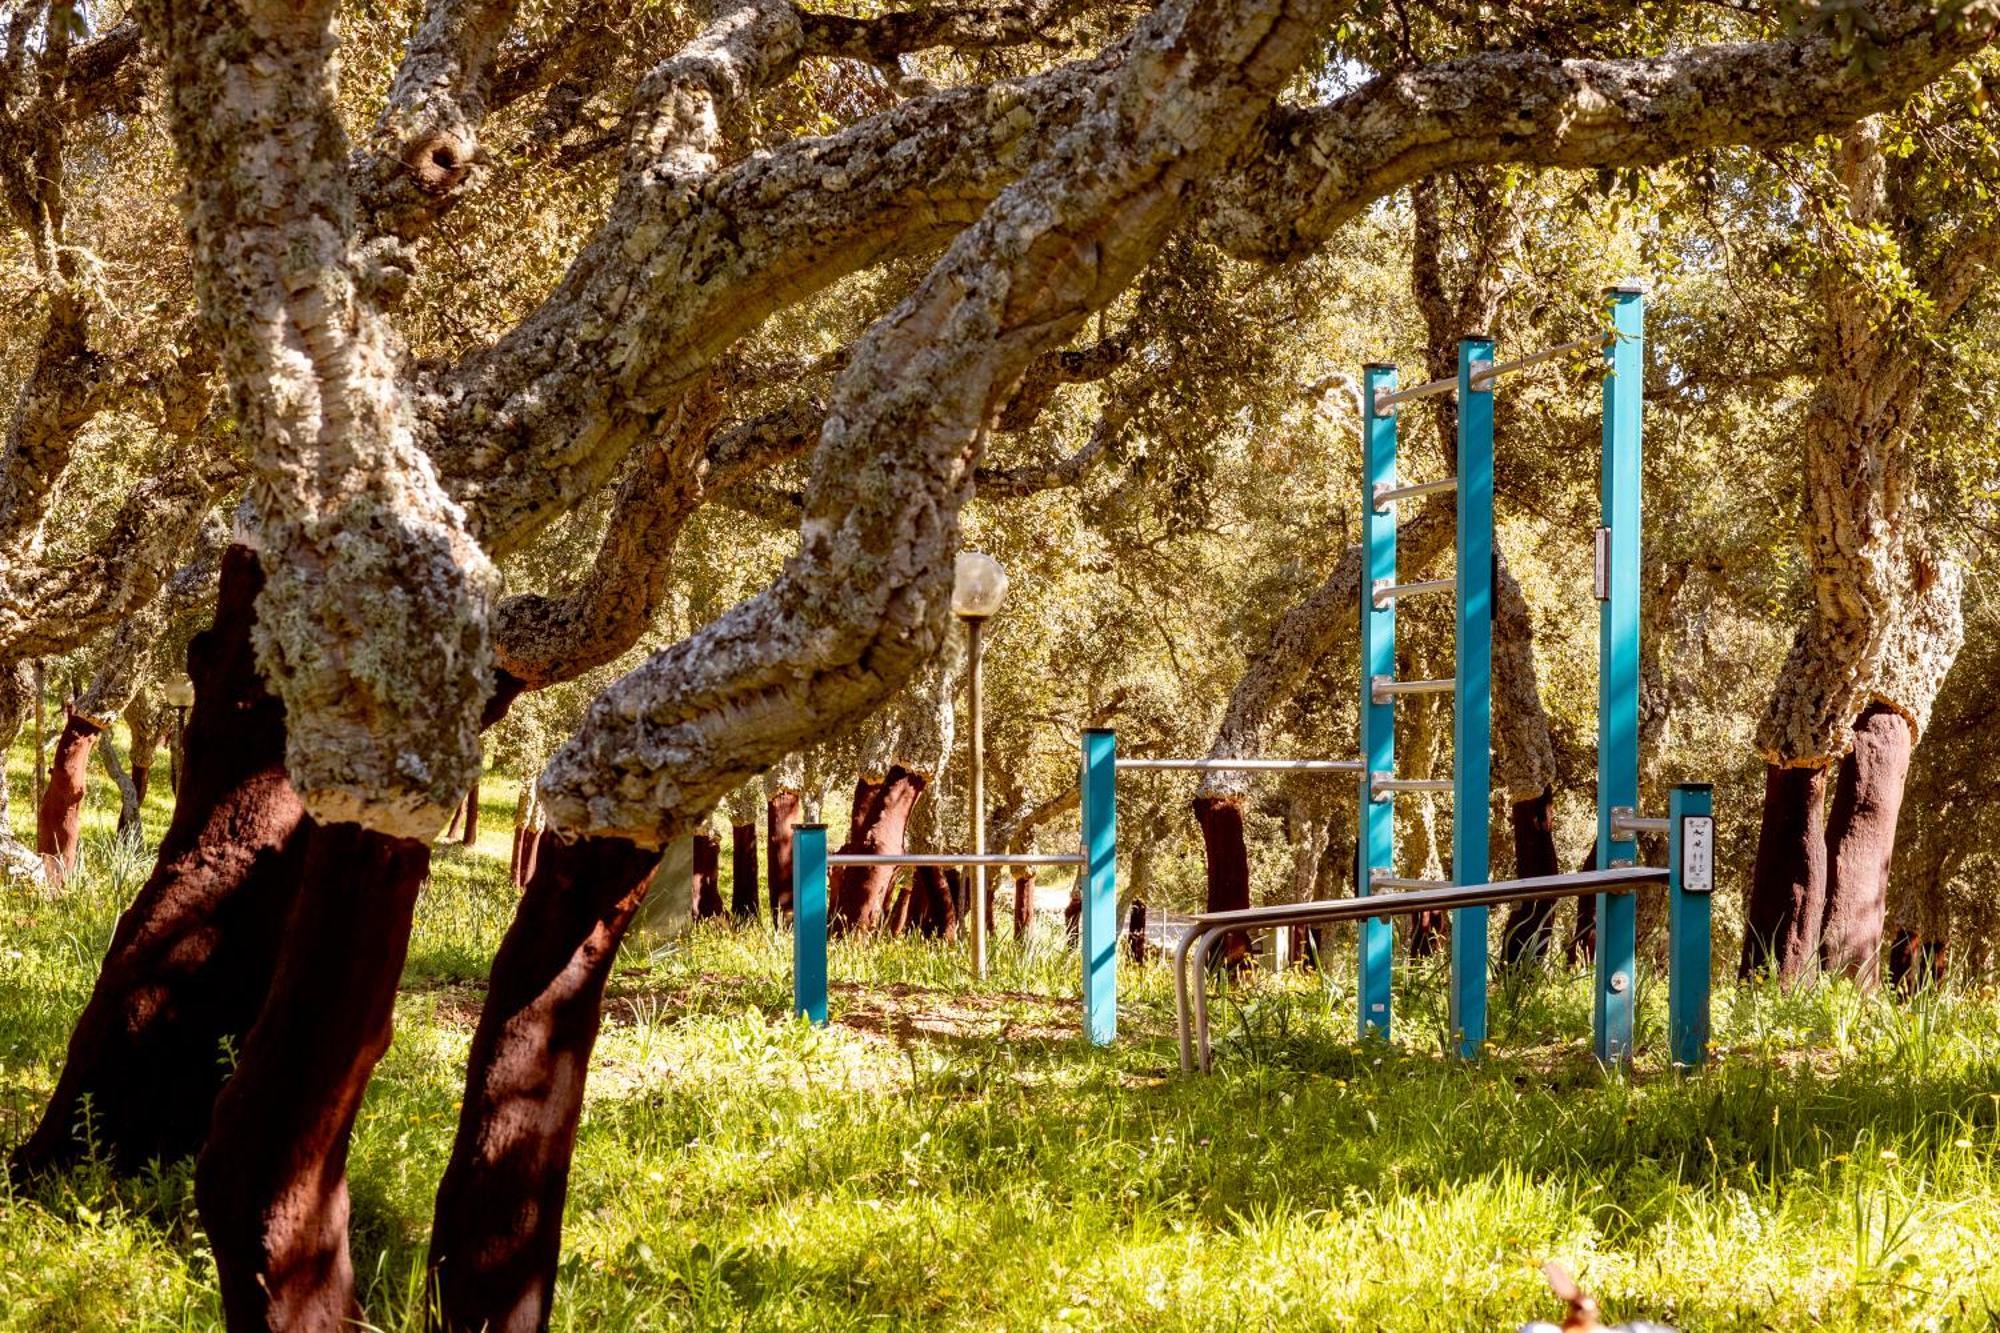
[(1378, 720), (809, 922), (1472, 713), (1618, 670), (1691, 879), (1098, 788)]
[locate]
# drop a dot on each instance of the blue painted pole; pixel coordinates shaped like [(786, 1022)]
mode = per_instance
[(1618, 671), (1377, 831), (1690, 882), (1099, 789), (809, 922), (1472, 713)]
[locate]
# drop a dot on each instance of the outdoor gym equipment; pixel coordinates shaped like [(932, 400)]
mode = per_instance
[(1382, 895)]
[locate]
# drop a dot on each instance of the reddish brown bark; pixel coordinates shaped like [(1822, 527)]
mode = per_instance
[(1135, 931), (191, 959), (743, 871), (271, 1183), (498, 1225), (1788, 881), (59, 818), (1531, 924), (1024, 902), (932, 912), (1228, 862), (781, 816), (1428, 932), (707, 894), (1860, 839), (1582, 947), (881, 818), (1915, 962), (471, 814)]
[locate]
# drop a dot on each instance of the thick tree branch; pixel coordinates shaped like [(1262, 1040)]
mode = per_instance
[(866, 599), (1315, 168)]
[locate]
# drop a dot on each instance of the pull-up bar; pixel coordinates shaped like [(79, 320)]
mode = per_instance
[(1387, 492), (1482, 376), (1385, 401), (1242, 765)]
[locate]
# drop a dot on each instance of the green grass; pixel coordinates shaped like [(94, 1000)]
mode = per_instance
[(949, 1158)]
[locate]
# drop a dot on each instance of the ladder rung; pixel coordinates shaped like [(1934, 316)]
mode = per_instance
[(1387, 782), (1385, 591), (1382, 879), (1384, 687), (1386, 493), (1385, 402)]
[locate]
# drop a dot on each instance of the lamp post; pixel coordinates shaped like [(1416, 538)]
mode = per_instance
[(179, 694), (978, 586)]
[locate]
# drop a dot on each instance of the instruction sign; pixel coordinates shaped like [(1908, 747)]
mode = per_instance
[(1698, 854)]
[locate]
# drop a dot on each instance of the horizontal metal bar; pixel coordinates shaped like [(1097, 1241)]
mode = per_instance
[(1627, 824), (1533, 889), (1382, 879), (1385, 401), (1245, 765), (1384, 591), (1481, 378), (1387, 493), (1383, 687), (1382, 782), (955, 859)]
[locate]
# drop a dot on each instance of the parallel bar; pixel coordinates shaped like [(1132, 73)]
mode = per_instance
[(1691, 863), (1571, 884), (1376, 844), (1383, 402), (1392, 591), (1380, 880), (986, 859), (809, 922), (1387, 493), (1243, 765), (1191, 955), (1382, 782), (1472, 718), (1486, 377), (1387, 686), (1618, 676), (1097, 788)]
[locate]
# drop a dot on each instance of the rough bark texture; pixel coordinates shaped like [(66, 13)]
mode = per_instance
[(271, 1183), (372, 626), (866, 599), (18, 865), (1861, 838), (498, 1223), (1788, 881), (191, 959), (471, 834)]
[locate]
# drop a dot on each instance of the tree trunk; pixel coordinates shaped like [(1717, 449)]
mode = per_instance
[(1581, 951), (59, 820), (471, 814), (743, 872), (1916, 961), (41, 738), (1135, 930), (707, 896), (514, 849), (1228, 862), (1531, 925), (1024, 901), (191, 959), (1860, 838), (1781, 920), (498, 1223), (271, 1183), (781, 816), (932, 913), (881, 816), (128, 790)]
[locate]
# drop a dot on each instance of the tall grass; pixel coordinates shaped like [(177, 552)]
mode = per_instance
[(950, 1157)]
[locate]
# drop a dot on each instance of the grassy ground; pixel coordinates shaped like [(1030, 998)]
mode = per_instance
[(944, 1158)]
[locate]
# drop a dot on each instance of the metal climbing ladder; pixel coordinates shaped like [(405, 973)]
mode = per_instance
[(1470, 686)]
